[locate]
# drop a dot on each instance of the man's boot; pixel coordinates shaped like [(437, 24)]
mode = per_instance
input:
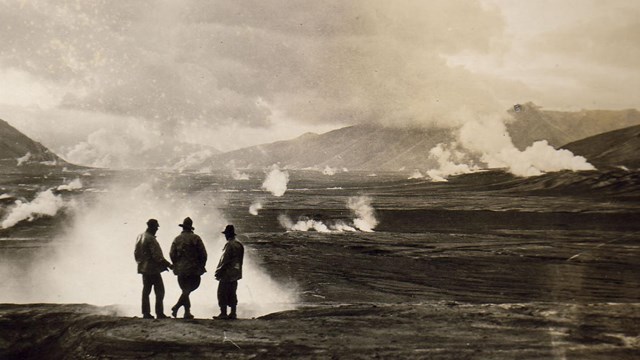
[(223, 313), (187, 313), (233, 315)]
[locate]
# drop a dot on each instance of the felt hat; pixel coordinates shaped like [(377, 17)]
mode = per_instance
[(187, 224), (229, 230)]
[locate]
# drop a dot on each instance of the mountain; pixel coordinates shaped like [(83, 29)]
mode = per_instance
[(17, 149), (614, 148), (363, 147), (531, 123)]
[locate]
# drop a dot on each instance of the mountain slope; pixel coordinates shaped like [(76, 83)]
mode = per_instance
[(532, 123), (363, 147), (15, 145), (614, 148)]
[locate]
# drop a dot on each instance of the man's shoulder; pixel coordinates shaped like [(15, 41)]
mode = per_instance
[(145, 236)]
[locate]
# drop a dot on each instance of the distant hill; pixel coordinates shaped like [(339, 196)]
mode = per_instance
[(532, 123), (614, 148), (363, 147), (373, 147), (18, 149)]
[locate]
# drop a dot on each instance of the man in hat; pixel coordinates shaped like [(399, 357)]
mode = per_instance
[(228, 272), (189, 258), (151, 263)]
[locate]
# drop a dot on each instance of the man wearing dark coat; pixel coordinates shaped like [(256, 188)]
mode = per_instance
[(151, 263), (189, 258), (228, 272)]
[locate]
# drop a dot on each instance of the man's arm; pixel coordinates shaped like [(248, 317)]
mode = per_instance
[(225, 259), (156, 253)]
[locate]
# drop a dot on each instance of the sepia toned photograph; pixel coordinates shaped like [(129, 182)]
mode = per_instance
[(329, 179)]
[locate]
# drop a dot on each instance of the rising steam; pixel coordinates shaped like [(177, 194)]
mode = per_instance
[(276, 181), (491, 140), (451, 161), (46, 203), (255, 207), (92, 261), (75, 184), (360, 206)]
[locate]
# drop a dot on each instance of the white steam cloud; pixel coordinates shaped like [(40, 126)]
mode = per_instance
[(24, 159), (416, 174), (255, 207), (237, 175), (360, 207), (492, 141), (450, 162), (46, 203), (365, 214), (329, 171), (92, 261), (75, 184), (276, 181)]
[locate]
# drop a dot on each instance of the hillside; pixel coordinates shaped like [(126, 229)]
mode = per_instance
[(532, 123), (614, 148), (14, 145), (363, 147)]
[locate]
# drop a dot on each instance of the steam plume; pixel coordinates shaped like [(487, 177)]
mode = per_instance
[(46, 203), (365, 215), (360, 206), (276, 181), (450, 162), (24, 159), (73, 185), (92, 261), (255, 207), (237, 175), (492, 141)]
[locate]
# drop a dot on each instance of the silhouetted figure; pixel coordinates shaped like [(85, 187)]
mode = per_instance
[(189, 258), (228, 272), (151, 263)]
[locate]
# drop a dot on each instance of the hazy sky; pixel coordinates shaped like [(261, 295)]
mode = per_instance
[(90, 74)]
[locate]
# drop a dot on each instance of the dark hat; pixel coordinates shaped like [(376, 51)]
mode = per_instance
[(229, 230), (187, 224), (153, 223)]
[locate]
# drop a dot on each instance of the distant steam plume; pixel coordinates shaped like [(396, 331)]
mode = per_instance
[(491, 140), (365, 214), (75, 184), (24, 159), (276, 181), (360, 206), (255, 207), (237, 175), (329, 171), (416, 174), (46, 203), (450, 162)]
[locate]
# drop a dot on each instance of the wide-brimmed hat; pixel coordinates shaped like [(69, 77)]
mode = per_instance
[(229, 230), (187, 224), (153, 223)]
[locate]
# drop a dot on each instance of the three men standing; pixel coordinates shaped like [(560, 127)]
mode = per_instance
[(228, 272), (151, 263), (189, 258)]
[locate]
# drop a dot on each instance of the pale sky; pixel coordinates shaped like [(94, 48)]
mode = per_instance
[(80, 74)]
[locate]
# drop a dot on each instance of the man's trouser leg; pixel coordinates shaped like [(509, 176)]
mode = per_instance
[(147, 283), (158, 287)]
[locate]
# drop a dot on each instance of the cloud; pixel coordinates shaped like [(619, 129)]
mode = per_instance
[(233, 74), (182, 63)]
